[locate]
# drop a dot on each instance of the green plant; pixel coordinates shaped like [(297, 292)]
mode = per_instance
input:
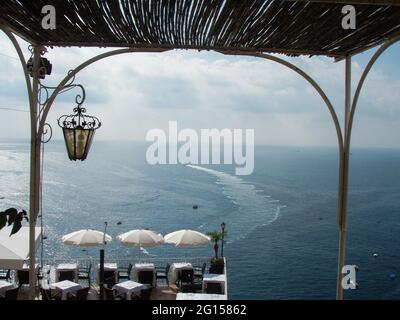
[(12, 217), (215, 236), (216, 261), (217, 265)]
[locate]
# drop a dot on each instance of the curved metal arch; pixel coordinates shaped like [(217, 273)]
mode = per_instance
[(35, 154), (82, 66), (344, 165), (260, 55), (360, 85)]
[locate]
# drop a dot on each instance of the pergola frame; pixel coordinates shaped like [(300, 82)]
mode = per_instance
[(38, 121)]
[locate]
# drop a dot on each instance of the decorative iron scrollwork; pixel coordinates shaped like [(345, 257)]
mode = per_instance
[(79, 120), (47, 133)]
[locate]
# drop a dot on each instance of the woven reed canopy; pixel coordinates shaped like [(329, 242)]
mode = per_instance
[(290, 27)]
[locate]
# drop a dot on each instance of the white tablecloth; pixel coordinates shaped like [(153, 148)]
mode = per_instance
[(109, 267), (199, 296), (174, 269), (65, 287), (67, 267), (128, 287), (4, 286), (215, 278), (144, 267)]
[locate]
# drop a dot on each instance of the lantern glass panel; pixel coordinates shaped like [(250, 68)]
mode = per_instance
[(78, 142)]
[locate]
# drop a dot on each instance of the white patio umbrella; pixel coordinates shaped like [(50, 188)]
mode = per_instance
[(187, 238), (86, 238), (141, 238), (14, 250)]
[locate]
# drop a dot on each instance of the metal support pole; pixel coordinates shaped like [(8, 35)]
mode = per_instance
[(101, 274), (222, 245), (222, 240), (101, 269), (343, 183), (347, 90), (34, 172)]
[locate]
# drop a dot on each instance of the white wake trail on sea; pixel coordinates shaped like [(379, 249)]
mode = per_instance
[(254, 209)]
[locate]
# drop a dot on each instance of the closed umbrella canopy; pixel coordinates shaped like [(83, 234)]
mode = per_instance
[(187, 238), (86, 238), (14, 250), (141, 238)]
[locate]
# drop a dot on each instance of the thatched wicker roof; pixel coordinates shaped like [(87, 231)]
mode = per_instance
[(290, 27)]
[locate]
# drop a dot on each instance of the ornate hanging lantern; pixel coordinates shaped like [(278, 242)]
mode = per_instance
[(78, 130)]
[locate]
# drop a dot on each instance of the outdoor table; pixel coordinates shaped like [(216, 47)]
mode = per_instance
[(110, 267), (200, 296), (144, 267), (66, 287), (128, 287), (67, 267), (4, 286), (174, 270), (215, 278)]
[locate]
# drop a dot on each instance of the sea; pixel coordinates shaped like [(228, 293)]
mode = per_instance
[(282, 233)]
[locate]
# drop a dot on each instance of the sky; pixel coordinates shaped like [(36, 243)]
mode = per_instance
[(137, 92)]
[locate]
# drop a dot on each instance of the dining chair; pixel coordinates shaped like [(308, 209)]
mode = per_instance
[(198, 272), (162, 273), (5, 274), (84, 273), (125, 273)]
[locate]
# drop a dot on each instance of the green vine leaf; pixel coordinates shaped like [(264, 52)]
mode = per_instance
[(12, 217), (3, 219)]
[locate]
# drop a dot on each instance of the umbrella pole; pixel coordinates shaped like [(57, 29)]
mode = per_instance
[(101, 274), (140, 253)]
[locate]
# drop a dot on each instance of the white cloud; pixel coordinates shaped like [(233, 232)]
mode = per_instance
[(134, 93)]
